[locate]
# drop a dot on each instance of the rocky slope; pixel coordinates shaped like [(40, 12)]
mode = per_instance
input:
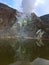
[(38, 23), (7, 16), (32, 26), (45, 19)]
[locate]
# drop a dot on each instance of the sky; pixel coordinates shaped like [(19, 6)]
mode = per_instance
[(41, 6)]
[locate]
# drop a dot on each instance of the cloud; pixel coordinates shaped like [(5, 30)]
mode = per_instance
[(41, 7), (39, 2)]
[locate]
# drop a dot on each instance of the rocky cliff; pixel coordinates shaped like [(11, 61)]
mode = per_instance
[(7, 16)]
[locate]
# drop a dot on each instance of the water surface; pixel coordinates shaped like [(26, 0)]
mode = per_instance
[(13, 50)]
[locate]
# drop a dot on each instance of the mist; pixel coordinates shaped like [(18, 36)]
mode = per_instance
[(28, 6)]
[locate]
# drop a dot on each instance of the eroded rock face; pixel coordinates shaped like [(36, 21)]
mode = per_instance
[(38, 23), (45, 19), (33, 24), (7, 16)]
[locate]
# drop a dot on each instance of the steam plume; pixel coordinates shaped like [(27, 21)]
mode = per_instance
[(28, 6)]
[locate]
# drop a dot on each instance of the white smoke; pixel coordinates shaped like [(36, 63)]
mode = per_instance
[(28, 6)]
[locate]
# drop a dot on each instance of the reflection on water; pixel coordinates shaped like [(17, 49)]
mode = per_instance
[(12, 50)]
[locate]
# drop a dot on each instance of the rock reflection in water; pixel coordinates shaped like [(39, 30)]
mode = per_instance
[(32, 50), (7, 52), (13, 50), (29, 51), (38, 61)]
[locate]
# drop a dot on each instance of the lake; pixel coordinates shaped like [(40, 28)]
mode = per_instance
[(12, 50)]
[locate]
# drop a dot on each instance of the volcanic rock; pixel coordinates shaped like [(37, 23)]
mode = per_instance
[(34, 23), (45, 19), (7, 16)]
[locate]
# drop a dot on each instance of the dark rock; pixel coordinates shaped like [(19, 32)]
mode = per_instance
[(45, 19), (38, 23)]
